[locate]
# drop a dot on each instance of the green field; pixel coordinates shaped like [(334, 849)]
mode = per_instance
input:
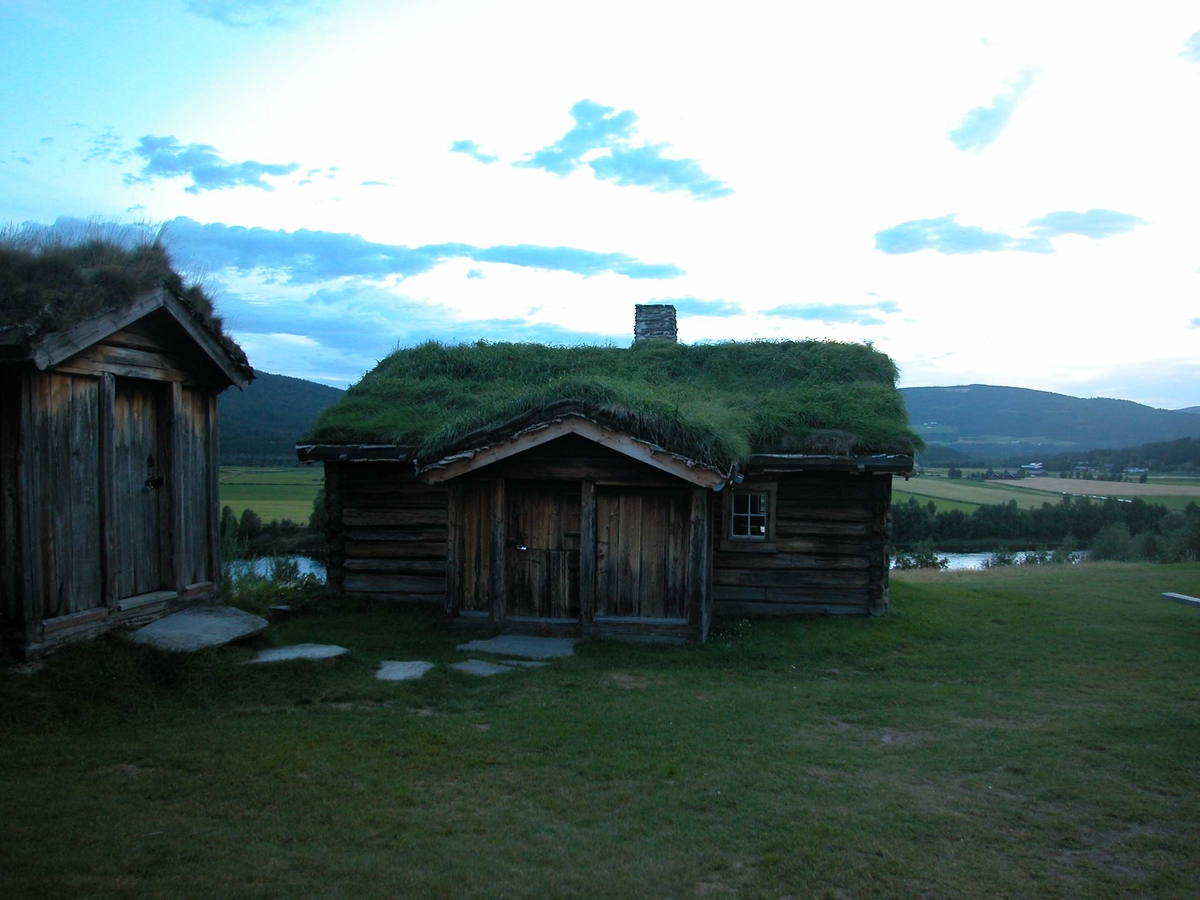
[(273, 493), (968, 491), (1031, 493), (900, 495), (1014, 734)]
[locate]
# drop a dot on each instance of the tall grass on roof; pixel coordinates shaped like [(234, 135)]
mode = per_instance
[(716, 403), (52, 277)]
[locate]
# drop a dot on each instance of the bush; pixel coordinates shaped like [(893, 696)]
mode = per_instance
[(920, 557), (250, 526), (1113, 543), (283, 584)]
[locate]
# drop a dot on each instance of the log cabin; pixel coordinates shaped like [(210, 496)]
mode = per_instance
[(629, 492), (109, 375)]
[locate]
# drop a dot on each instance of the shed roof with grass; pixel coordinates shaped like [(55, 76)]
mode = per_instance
[(626, 491), (110, 369)]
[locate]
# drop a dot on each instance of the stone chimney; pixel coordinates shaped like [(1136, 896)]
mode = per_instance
[(654, 322)]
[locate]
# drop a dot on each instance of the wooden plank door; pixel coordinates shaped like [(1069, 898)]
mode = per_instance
[(475, 562), (140, 479), (542, 553), (641, 552)]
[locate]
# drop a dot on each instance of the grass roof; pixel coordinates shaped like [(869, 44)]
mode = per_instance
[(50, 280), (716, 403)]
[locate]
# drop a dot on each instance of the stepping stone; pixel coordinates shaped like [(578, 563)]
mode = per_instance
[(402, 671), (316, 652), (523, 645), (200, 627), (523, 663), (481, 668)]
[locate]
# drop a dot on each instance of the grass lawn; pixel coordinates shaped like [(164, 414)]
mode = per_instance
[(964, 490), (1017, 733), (273, 493)]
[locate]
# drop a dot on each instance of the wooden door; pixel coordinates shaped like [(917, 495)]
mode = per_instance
[(138, 489), (475, 530), (542, 554), (641, 552)]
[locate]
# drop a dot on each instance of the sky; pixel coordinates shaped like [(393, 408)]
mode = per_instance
[(997, 193)]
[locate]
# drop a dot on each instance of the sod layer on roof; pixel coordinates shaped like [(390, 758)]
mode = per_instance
[(715, 403), (49, 282)]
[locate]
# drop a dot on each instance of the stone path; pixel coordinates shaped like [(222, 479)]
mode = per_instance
[(319, 652), (524, 646), (481, 668), (402, 671), (200, 627)]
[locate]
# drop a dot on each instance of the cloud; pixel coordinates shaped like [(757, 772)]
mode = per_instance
[(1195, 323), (1191, 48), (46, 141), (476, 274), (948, 237), (601, 128), (471, 149), (375, 184), (166, 158), (105, 147), (313, 256), (690, 306), (1095, 223), (253, 13), (836, 313), (982, 126)]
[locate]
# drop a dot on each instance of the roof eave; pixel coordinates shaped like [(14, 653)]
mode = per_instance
[(877, 464)]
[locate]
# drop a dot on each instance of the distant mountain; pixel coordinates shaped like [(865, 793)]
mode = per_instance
[(984, 421), (261, 425), (1194, 410)]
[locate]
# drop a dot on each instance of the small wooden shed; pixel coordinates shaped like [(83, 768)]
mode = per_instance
[(627, 492), (108, 456)]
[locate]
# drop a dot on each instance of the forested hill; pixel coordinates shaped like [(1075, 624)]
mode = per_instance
[(987, 421), (260, 426)]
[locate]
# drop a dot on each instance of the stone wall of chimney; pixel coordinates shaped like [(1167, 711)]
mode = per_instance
[(654, 322)]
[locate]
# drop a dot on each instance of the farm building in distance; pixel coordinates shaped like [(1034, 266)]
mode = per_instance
[(629, 492), (109, 376)]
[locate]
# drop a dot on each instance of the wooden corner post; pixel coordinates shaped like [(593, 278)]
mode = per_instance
[(698, 559), (587, 551), (454, 549), (498, 541), (109, 540)]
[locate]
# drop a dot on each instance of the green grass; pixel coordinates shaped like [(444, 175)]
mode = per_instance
[(1011, 734), (273, 493), (716, 403), (969, 491)]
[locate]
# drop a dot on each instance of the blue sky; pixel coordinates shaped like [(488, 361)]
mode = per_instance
[(995, 192)]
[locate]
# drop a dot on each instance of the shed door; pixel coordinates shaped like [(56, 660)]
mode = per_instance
[(641, 552), (139, 487), (542, 557)]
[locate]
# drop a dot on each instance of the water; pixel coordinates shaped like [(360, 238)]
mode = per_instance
[(959, 561), (262, 566)]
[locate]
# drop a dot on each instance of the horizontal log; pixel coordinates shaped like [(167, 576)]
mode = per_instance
[(393, 478), (728, 560), (394, 550), (792, 579), (823, 546), (394, 584), (832, 596), (434, 535), (785, 529), (741, 608), (800, 512), (84, 617), (355, 516), (397, 566), (394, 500), (578, 469), (391, 597)]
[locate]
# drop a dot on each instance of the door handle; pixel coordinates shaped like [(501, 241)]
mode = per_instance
[(155, 481)]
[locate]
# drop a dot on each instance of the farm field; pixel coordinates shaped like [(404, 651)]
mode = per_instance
[(902, 496), (273, 493), (1013, 733), (1031, 493)]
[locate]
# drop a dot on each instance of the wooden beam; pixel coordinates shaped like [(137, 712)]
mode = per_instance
[(108, 481), (498, 541), (66, 343), (643, 451), (697, 558), (206, 340), (214, 490), (454, 550), (171, 437), (587, 551)]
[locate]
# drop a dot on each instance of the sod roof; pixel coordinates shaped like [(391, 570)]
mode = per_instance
[(49, 283), (715, 403)]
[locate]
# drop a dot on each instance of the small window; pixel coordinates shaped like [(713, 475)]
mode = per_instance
[(750, 516)]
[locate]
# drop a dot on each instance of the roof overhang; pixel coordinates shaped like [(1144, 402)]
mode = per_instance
[(881, 464), (59, 346), (532, 436), (353, 453)]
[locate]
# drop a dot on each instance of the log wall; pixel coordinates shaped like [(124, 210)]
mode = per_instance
[(389, 532), (829, 553)]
